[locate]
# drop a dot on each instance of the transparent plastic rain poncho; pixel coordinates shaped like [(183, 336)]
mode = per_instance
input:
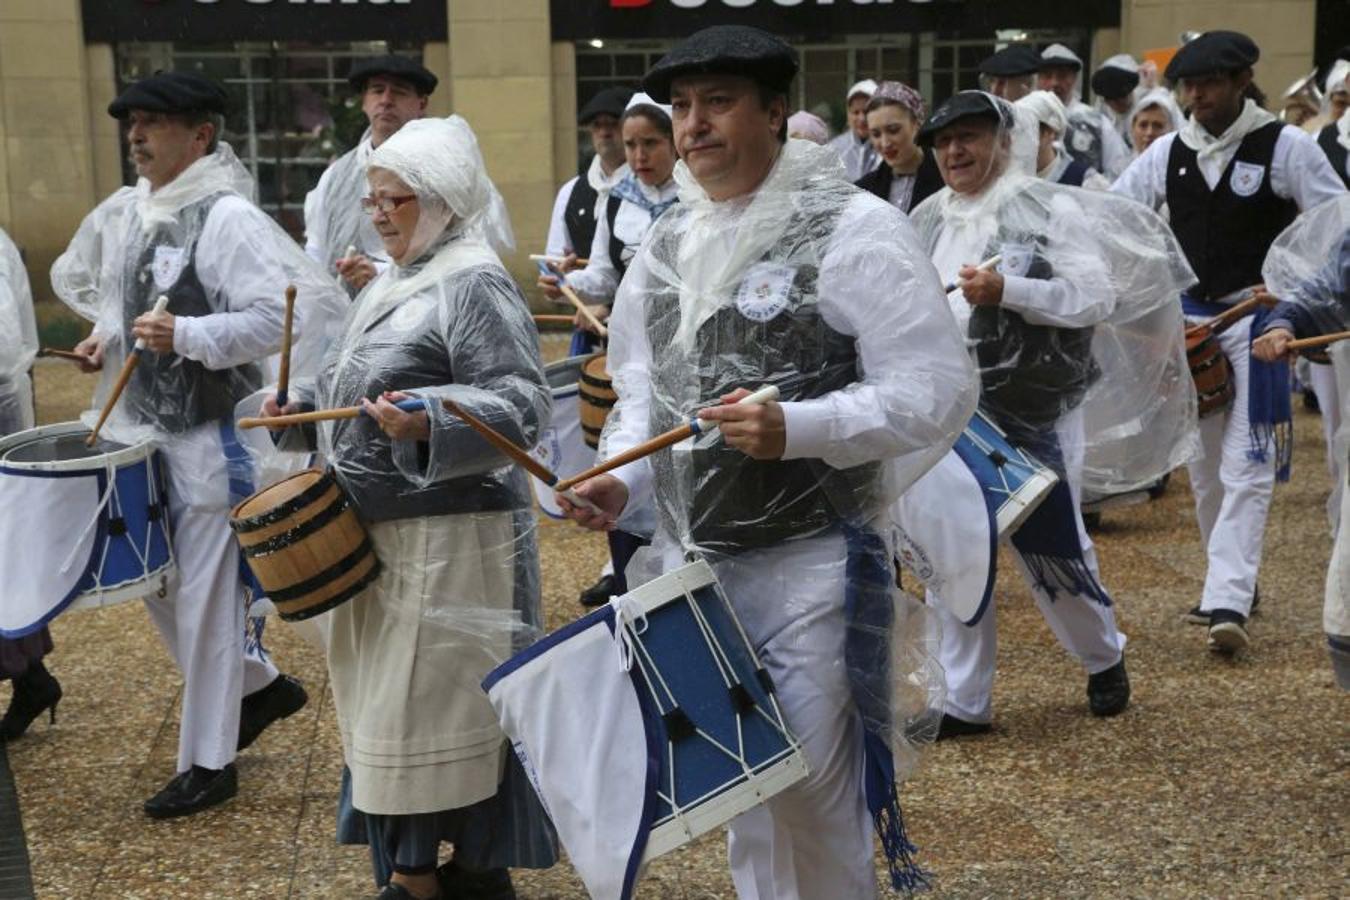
[(18, 340), (820, 289), (334, 221), (1308, 265), (225, 266), (1089, 316)]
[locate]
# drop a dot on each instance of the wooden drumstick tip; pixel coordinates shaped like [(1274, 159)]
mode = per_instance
[(161, 302)]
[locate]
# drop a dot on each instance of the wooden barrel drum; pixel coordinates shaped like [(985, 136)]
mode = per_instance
[(1211, 371), (304, 543), (597, 398)]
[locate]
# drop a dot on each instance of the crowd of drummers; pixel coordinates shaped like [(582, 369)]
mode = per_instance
[(804, 371)]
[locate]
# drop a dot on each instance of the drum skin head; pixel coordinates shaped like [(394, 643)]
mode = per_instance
[(60, 448)]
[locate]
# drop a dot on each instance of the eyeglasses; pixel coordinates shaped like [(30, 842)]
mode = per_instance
[(385, 205)]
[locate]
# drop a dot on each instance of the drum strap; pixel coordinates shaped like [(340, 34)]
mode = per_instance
[(869, 614), (1270, 412)]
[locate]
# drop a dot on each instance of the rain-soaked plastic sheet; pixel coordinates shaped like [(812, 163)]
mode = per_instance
[(18, 340)]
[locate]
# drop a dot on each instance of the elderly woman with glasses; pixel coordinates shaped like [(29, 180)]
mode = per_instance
[(450, 519)]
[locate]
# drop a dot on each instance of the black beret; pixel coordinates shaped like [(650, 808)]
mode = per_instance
[(965, 105), (1211, 53), (611, 101), (395, 66), (725, 50), (1113, 83), (1011, 62), (170, 92)]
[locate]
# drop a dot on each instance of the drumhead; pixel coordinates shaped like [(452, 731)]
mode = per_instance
[(62, 447)]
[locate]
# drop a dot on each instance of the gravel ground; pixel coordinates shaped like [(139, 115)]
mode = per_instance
[(1224, 778)]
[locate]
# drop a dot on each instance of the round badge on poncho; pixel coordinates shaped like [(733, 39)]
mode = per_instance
[(765, 291)]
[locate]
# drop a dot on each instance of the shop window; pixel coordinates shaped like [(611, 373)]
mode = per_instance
[(291, 110)]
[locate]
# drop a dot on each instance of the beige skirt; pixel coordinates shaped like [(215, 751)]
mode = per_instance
[(406, 658)]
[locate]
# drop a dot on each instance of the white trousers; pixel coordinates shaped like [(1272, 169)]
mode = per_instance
[(1084, 627), (1327, 390), (813, 841), (201, 617), (1232, 492)]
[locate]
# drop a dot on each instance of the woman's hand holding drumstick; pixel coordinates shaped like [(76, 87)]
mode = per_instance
[(553, 282), (1278, 343)]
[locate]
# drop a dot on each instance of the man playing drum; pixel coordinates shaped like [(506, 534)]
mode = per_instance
[(773, 269), (1232, 179), (187, 231), (1033, 321), (394, 91)]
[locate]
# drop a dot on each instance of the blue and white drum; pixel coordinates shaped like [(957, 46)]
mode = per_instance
[(676, 731), (950, 521), (1013, 481), (79, 526), (562, 445)]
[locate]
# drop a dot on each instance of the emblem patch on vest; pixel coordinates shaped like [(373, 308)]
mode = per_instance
[(168, 266), (765, 291), (1016, 259), (1247, 178), (1082, 140)]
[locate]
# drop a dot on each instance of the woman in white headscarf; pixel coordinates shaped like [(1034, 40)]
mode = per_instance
[(450, 520), (1155, 113), (1334, 139)]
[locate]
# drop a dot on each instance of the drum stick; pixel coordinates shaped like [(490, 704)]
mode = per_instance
[(1320, 341), (571, 295), (982, 267), (124, 376), (553, 320), (320, 415), (1225, 320), (555, 260), (80, 358), (284, 373), (519, 454), (661, 441)]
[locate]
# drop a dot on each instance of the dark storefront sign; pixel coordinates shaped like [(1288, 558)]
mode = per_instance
[(111, 21), (575, 20)]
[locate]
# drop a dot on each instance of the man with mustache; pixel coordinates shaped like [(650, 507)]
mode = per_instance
[(188, 232), (773, 269), (394, 91), (1232, 179)]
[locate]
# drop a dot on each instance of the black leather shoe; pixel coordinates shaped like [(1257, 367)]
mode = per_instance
[(1109, 691), (459, 883), (1228, 632), (1197, 616), (599, 593), (193, 791), (394, 891), (283, 697), (35, 691), (951, 727)]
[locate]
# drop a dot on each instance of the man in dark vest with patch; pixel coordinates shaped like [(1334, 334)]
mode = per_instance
[(773, 269), (188, 232), (1232, 178)]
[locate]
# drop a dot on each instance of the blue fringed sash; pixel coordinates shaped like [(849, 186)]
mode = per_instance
[(869, 615), (1270, 413)]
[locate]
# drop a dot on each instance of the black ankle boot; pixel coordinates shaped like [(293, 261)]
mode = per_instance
[(35, 691)]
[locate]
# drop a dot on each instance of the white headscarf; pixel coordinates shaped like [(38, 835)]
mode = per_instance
[(1047, 109), (439, 160), (1162, 98)]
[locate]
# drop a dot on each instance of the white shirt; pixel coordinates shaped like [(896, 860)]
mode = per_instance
[(559, 242), (338, 194), (919, 388), (599, 280), (1299, 171)]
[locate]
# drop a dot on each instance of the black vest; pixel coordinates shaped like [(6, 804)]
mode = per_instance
[(737, 503), (1340, 160), (579, 216), (1226, 234), (1030, 374), (1074, 174), (927, 181), (167, 390), (615, 245)]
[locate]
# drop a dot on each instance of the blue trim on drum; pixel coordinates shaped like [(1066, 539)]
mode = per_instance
[(44, 473), (653, 730), (603, 615), (84, 582)]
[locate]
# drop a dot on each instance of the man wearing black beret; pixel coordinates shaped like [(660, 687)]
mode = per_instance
[(1232, 178), (1092, 138), (393, 91), (1011, 72), (1116, 85), (188, 232), (774, 270)]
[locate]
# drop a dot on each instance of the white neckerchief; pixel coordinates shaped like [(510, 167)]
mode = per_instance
[(722, 239), (599, 181), (1343, 130), (1214, 153), (213, 173)]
